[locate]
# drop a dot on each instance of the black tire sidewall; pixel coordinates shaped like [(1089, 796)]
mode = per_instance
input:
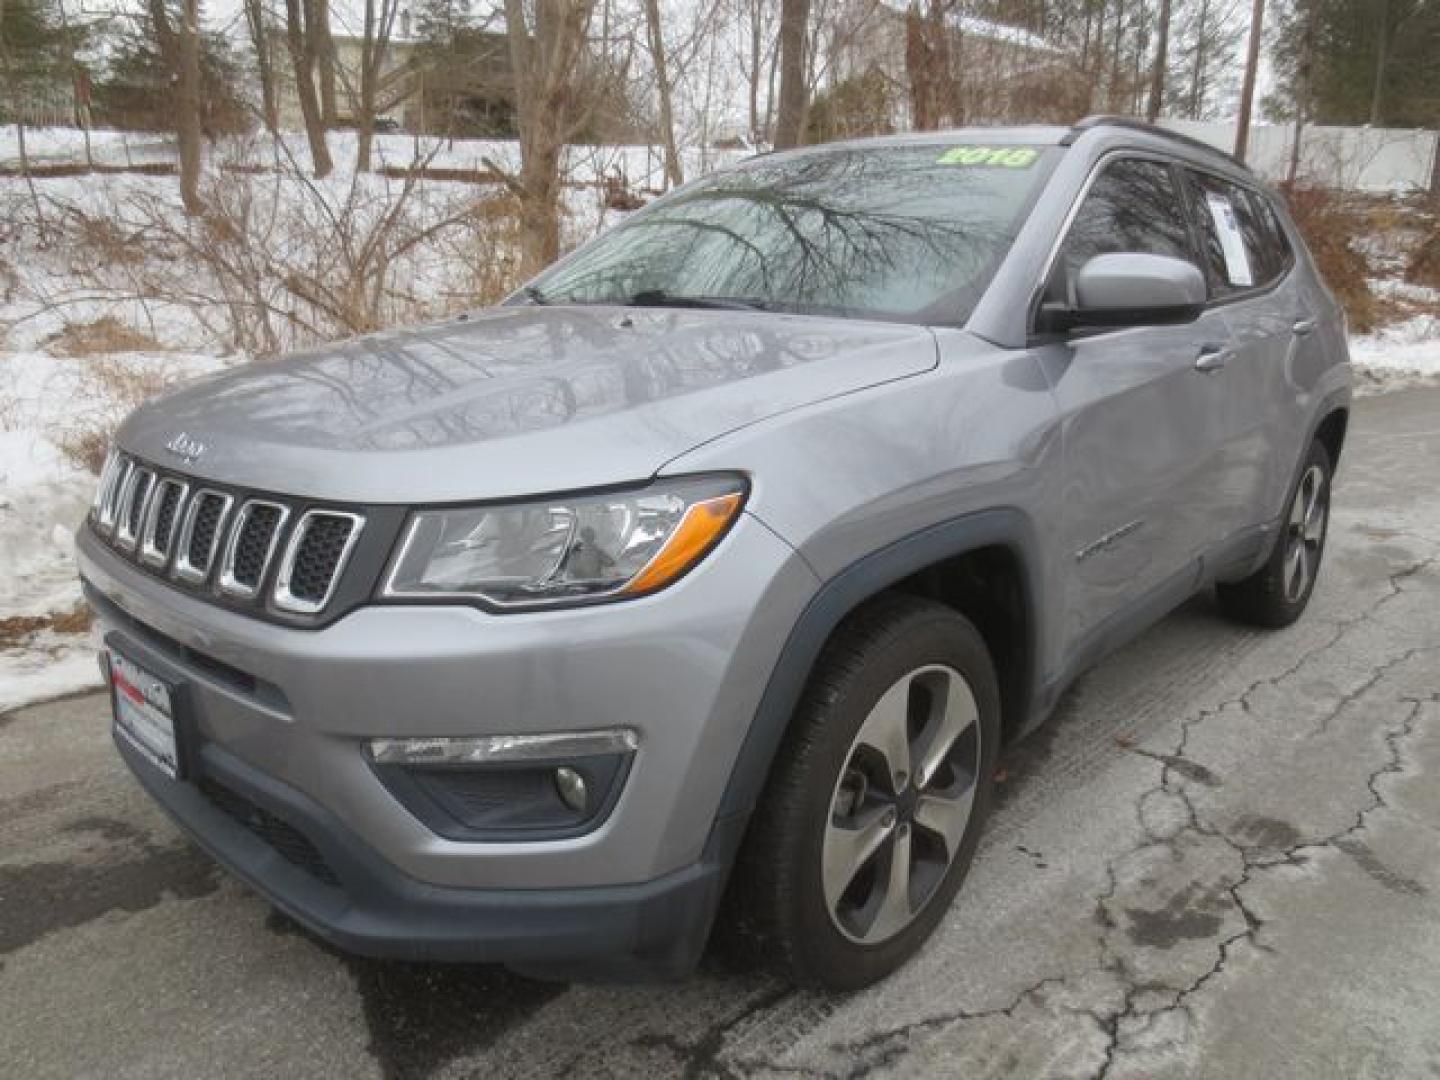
[(931, 635), (1286, 610)]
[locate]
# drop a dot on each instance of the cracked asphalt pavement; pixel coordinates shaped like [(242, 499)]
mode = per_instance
[(1220, 858)]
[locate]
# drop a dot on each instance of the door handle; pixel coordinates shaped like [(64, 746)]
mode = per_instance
[(1303, 327), (1213, 357)]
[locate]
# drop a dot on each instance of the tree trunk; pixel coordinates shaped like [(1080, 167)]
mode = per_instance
[(1382, 49), (12, 89), (1162, 58), (917, 71), (674, 174), (756, 58), (302, 59), (188, 103), (322, 46), (363, 111), (790, 121), (1302, 89), (264, 64), (1435, 172), (550, 107), (1116, 57), (1247, 87), (1197, 79)]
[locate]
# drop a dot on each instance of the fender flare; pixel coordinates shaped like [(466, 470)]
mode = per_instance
[(842, 593)]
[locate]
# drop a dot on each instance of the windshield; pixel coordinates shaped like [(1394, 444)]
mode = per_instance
[(911, 233)]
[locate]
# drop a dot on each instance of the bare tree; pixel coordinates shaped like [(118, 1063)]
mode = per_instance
[(927, 66), (317, 28), (1247, 88), (790, 118), (674, 172), (756, 59), (1162, 59), (12, 90), (180, 49), (1310, 14), (257, 24), (1382, 52), (79, 82), (370, 98), (547, 47), (303, 48)]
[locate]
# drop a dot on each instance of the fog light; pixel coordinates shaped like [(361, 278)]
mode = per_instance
[(571, 786)]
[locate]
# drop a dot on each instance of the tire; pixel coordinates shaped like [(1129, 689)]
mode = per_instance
[(1277, 593), (805, 897)]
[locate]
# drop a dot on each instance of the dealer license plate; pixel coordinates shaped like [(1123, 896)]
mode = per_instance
[(144, 713)]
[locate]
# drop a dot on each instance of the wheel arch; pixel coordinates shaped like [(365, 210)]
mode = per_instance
[(1331, 432), (939, 562)]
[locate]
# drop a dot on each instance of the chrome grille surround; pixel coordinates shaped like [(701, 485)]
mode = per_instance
[(284, 597), (186, 569), (255, 551), (245, 518), (134, 501), (155, 548)]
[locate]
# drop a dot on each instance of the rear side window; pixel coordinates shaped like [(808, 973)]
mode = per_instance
[(1276, 242), (1134, 205), (1241, 240)]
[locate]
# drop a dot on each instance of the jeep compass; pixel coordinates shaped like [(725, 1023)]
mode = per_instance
[(721, 560)]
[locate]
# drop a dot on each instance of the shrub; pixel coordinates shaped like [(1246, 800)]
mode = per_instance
[(1424, 265), (1331, 228)]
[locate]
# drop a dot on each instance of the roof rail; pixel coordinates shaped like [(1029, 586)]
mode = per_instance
[(1134, 124)]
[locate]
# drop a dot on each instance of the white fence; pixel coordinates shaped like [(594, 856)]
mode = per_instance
[(1350, 158)]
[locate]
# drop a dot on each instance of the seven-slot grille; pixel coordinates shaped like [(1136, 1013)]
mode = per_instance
[(209, 538)]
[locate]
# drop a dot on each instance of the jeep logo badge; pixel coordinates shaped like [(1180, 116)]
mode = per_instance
[(187, 448)]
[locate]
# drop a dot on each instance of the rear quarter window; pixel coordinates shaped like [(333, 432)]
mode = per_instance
[(1241, 243)]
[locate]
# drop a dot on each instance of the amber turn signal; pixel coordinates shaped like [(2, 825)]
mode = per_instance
[(700, 530)]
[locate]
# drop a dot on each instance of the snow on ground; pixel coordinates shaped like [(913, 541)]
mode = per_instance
[(44, 495), (1397, 356)]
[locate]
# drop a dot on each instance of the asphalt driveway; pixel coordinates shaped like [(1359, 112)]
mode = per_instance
[(1220, 858)]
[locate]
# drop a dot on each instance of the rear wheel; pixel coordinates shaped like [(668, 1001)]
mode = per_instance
[(1277, 593), (876, 803)]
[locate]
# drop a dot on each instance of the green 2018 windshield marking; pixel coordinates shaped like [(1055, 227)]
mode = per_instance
[(1007, 157)]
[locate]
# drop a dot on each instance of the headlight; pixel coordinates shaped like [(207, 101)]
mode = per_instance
[(565, 550)]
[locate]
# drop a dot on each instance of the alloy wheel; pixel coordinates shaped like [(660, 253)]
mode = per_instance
[(901, 804), (1305, 533)]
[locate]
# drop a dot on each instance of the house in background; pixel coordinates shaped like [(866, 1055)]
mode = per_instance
[(996, 73), (462, 87)]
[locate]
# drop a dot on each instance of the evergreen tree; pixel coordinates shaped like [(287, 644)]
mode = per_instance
[(1370, 61)]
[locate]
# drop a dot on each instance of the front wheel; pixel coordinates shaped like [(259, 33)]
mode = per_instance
[(876, 803), (1277, 593)]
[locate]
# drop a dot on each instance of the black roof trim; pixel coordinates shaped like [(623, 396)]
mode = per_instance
[(1133, 124)]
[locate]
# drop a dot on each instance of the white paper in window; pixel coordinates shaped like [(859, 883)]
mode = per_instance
[(1237, 259)]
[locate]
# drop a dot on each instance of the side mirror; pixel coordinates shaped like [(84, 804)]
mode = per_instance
[(1131, 289)]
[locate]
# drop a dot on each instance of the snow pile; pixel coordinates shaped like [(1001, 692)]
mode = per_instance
[(1403, 353), (44, 495)]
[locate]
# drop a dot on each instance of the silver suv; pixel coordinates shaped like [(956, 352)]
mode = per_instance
[(722, 559)]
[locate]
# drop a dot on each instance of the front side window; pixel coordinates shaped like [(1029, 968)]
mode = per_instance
[(1133, 206), (912, 233)]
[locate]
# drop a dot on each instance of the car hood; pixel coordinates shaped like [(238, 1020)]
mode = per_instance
[(512, 401)]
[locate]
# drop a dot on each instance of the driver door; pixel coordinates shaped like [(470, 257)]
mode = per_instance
[(1143, 426)]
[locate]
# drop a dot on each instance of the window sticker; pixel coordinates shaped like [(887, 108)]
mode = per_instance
[(1006, 157), (1237, 260)]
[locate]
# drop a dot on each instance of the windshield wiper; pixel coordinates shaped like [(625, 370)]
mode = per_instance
[(661, 298), (534, 295)]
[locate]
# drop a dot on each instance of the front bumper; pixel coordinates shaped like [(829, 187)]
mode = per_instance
[(312, 867), (280, 717)]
